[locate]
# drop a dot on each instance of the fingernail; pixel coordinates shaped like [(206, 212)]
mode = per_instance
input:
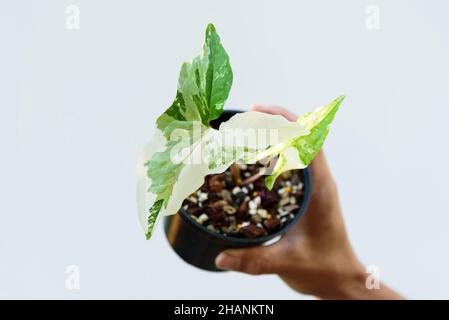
[(227, 262)]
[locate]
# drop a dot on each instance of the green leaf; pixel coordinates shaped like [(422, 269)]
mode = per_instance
[(318, 123), (299, 152), (152, 217), (203, 85)]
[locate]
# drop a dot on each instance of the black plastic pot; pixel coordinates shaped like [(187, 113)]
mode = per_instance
[(199, 246)]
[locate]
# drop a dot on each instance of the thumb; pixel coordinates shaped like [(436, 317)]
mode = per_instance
[(256, 260)]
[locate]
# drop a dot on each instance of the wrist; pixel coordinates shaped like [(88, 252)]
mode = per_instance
[(345, 284), (351, 285)]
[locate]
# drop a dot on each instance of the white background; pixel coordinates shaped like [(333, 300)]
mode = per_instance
[(77, 107)]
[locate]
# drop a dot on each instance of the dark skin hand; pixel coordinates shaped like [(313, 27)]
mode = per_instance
[(315, 256)]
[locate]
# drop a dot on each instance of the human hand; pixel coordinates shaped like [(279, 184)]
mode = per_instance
[(315, 256)]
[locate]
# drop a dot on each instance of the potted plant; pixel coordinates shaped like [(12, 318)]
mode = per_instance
[(224, 179)]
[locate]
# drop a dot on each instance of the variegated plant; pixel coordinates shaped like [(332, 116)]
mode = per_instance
[(185, 148)]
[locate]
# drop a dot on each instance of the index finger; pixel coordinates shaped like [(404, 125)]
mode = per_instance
[(275, 110)]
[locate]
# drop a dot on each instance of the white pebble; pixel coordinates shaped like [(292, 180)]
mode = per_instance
[(284, 201), (202, 218), (202, 197), (262, 213), (288, 183), (252, 211), (244, 224), (300, 185), (245, 190), (236, 190), (251, 186), (257, 200), (281, 191), (283, 220), (247, 174), (292, 200), (282, 212), (192, 199), (252, 205)]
